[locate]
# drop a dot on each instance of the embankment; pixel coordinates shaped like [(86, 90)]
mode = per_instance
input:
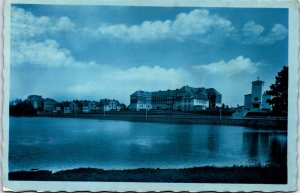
[(184, 118)]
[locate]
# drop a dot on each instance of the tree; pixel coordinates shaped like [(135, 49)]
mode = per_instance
[(22, 109), (279, 93)]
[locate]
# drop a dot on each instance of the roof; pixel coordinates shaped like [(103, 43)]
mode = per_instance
[(107, 101), (258, 81), (186, 91), (35, 97), (165, 93), (141, 93), (49, 100)]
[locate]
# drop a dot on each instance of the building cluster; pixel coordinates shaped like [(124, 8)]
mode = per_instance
[(76, 106), (183, 99), (257, 100)]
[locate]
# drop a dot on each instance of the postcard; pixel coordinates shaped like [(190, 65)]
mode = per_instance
[(128, 95)]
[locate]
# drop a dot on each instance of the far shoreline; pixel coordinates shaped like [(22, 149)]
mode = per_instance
[(270, 123)]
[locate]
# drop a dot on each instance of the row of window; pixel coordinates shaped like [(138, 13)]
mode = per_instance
[(162, 102), (163, 98), (169, 102)]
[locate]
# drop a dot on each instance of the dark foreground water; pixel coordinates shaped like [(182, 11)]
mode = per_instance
[(64, 143)]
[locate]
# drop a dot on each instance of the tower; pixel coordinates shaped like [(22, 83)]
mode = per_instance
[(256, 99)]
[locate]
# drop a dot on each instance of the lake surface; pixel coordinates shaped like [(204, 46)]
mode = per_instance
[(65, 143)]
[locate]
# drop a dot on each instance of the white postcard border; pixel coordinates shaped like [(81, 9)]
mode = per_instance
[(293, 38)]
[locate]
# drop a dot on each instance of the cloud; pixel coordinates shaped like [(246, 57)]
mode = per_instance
[(195, 23), (44, 54), (30, 45), (232, 78), (64, 24), (128, 80), (251, 30), (103, 82), (152, 77), (199, 24), (252, 34), (238, 65), (25, 25)]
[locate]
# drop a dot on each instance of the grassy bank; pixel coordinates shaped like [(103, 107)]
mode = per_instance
[(249, 175)]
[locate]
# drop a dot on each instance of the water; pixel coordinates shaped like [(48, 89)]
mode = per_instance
[(65, 143)]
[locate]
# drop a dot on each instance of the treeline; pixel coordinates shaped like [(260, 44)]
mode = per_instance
[(23, 108)]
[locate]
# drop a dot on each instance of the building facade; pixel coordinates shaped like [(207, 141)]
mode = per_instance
[(49, 105), (247, 101), (109, 105), (140, 100), (163, 99), (183, 99), (257, 101)]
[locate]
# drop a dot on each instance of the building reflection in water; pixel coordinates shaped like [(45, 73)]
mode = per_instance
[(265, 146), (278, 150), (213, 140)]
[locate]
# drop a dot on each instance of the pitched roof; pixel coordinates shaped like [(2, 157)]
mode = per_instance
[(49, 100), (141, 93), (107, 101), (165, 93)]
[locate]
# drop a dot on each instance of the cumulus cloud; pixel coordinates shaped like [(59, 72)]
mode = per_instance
[(252, 33), (199, 23), (237, 65), (42, 54), (195, 23), (26, 50), (64, 24), (232, 78), (25, 25)]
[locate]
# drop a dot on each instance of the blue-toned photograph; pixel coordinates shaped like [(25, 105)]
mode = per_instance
[(160, 94)]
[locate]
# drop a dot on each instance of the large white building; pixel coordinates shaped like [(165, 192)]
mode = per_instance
[(184, 99), (257, 100)]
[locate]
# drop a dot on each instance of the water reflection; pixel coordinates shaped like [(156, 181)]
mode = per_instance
[(251, 145), (271, 147), (278, 150), (212, 139), (48, 143)]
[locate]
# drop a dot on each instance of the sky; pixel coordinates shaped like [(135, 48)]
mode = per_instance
[(71, 52)]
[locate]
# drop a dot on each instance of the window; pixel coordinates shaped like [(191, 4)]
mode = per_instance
[(256, 106)]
